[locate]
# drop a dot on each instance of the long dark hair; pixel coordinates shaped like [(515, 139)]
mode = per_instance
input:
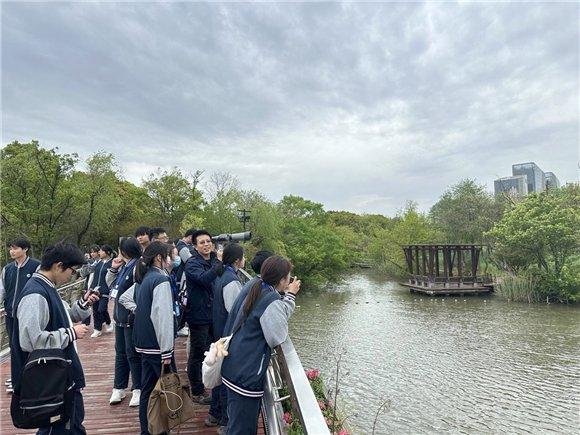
[(146, 261), (273, 270), (107, 249), (130, 247), (232, 253)]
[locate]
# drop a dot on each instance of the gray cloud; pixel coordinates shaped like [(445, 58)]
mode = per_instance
[(359, 106)]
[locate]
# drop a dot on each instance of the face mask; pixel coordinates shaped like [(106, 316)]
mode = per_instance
[(176, 262)]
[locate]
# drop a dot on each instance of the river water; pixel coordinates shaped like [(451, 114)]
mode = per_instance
[(454, 365)]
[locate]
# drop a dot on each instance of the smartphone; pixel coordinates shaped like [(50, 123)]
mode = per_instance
[(95, 291)]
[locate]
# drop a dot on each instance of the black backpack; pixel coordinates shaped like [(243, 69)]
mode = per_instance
[(45, 394)]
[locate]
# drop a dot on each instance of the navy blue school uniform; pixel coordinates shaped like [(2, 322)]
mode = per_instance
[(127, 359), (58, 318), (229, 280), (244, 369), (153, 332), (101, 314), (180, 245), (14, 278)]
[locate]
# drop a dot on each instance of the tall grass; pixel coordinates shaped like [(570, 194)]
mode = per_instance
[(518, 288)]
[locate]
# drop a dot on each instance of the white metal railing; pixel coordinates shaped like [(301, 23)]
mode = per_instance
[(66, 292), (286, 370)]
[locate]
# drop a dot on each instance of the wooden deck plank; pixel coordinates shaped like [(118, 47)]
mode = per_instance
[(98, 358)]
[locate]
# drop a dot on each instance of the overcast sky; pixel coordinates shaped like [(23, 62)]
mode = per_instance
[(358, 106)]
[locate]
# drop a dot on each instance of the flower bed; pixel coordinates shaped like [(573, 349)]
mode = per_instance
[(328, 408)]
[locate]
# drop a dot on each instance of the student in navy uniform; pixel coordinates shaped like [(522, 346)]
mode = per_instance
[(14, 276), (226, 289), (259, 322), (153, 331), (143, 237), (158, 234), (120, 278), (88, 269), (185, 249), (101, 314), (44, 321), (258, 260), (201, 270)]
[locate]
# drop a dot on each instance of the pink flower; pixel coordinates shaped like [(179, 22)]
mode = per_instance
[(321, 405), (287, 418), (329, 422), (330, 404), (343, 432), (312, 374)]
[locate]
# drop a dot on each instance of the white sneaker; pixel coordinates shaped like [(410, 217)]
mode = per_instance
[(110, 328), (117, 396), (96, 334), (135, 398), (183, 332)]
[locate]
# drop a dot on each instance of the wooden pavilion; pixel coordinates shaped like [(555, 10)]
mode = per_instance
[(446, 270)]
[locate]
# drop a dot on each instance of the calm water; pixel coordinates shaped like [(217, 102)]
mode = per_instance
[(456, 365)]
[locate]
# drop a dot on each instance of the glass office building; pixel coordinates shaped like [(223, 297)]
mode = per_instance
[(552, 181), (536, 179), (517, 185)]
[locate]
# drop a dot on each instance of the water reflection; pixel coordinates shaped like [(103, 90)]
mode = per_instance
[(461, 365)]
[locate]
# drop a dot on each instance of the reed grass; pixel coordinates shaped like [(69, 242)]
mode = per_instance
[(518, 288)]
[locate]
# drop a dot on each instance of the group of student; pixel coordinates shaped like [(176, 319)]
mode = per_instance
[(157, 288)]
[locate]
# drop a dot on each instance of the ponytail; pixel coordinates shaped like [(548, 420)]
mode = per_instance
[(273, 270), (148, 258), (232, 253)]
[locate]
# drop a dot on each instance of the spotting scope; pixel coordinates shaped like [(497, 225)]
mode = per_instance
[(235, 237)]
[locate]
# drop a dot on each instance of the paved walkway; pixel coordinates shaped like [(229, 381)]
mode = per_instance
[(98, 358)]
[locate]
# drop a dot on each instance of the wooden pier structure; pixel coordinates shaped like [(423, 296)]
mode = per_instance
[(445, 270), (98, 359)]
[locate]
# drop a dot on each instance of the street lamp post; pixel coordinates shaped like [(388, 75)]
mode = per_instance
[(244, 216)]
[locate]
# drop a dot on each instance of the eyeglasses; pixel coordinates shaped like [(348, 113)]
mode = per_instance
[(74, 271)]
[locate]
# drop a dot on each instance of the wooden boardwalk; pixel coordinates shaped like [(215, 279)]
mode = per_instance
[(98, 359)]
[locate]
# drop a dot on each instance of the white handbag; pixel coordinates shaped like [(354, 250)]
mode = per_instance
[(211, 369)]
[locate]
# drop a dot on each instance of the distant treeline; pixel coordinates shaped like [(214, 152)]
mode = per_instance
[(46, 197)]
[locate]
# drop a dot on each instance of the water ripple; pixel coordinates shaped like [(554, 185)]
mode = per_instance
[(471, 366)]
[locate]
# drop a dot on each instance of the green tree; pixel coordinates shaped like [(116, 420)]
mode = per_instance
[(408, 227), (266, 227), (296, 207), (223, 196), (36, 198), (135, 209), (173, 195), (465, 212), (543, 232), (95, 200), (318, 253)]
